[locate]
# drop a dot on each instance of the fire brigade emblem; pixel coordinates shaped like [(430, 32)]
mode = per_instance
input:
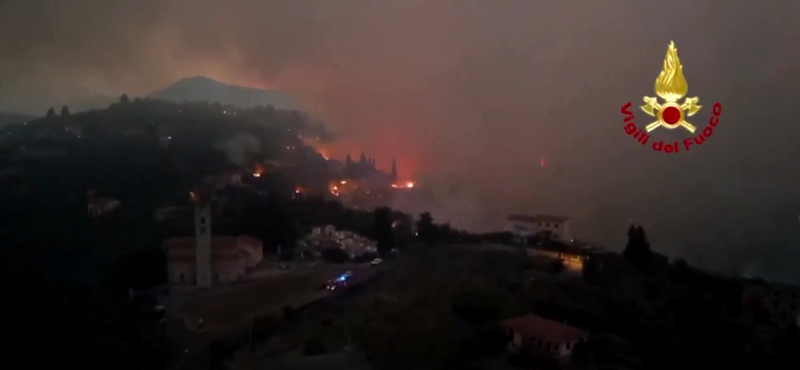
[(671, 86)]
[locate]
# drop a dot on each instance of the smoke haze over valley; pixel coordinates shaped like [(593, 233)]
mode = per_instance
[(493, 107)]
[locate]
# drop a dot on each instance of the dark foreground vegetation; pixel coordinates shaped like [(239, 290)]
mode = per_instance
[(70, 276)]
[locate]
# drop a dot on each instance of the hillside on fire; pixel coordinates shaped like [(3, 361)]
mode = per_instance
[(149, 151)]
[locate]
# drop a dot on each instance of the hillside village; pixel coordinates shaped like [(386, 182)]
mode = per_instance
[(215, 250)]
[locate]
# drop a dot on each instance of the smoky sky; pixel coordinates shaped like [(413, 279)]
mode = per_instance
[(471, 95)]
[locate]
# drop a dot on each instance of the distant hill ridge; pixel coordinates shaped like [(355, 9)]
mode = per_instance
[(192, 89), (197, 89)]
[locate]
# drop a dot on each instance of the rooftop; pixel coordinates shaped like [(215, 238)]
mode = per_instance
[(218, 243), (547, 330)]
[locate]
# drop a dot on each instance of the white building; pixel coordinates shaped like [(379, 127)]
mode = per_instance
[(526, 226), (326, 237), (323, 232)]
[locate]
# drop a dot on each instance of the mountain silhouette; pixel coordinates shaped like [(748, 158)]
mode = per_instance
[(196, 89), (193, 89)]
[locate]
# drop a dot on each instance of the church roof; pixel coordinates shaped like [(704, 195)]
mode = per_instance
[(547, 330)]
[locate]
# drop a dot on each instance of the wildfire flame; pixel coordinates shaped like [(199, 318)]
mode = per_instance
[(259, 170), (670, 84), (406, 185)]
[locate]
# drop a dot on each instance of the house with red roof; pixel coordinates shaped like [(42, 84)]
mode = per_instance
[(536, 337)]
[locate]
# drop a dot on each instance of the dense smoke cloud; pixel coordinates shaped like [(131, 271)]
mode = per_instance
[(240, 149), (471, 95)]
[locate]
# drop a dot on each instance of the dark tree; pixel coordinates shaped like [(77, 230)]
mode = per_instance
[(268, 220), (348, 166), (426, 229), (51, 114), (383, 229), (64, 112), (631, 248), (474, 307), (638, 248), (124, 99), (334, 255), (446, 232)]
